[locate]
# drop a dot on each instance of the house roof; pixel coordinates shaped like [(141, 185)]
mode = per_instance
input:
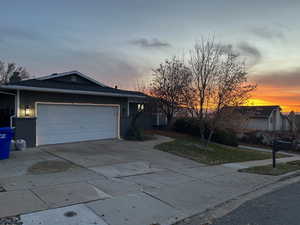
[(51, 84), (262, 112), (74, 72)]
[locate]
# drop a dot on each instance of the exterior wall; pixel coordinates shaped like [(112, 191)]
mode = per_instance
[(275, 122), (145, 121), (257, 124), (29, 98), (25, 128), (272, 122), (285, 124), (159, 120), (7, 109), (278, 118)]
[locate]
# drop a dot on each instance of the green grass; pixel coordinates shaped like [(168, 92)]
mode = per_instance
[(281, 168), (191, 148)]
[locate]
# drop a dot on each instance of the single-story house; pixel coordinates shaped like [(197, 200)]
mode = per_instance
[(264, 118), (68, 107)]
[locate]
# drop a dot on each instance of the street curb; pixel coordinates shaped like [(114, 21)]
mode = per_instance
[(210, 215)]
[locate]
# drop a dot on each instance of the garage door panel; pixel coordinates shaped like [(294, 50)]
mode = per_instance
[(71, 123)]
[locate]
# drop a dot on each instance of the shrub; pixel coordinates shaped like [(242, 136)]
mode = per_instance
[(135, 134), (225, 137), (252, 138), (191, 126), (187, 126)]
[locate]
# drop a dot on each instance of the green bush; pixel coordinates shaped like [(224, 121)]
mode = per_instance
[(252, 138), (135, 134), (187, 126), (225, 137), (192, 126)]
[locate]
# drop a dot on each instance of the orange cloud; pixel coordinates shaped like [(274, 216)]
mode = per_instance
[(278, 88), (266, 95)]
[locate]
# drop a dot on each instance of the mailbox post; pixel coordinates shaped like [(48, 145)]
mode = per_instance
[(274, 157), (274, 150)]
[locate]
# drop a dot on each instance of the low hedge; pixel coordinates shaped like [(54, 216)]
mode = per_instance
[(192, 126)]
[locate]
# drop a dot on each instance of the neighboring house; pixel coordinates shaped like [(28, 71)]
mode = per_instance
[(68, 107), (265, 118), (297, 122)]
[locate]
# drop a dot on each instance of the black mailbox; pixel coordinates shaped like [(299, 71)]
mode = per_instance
[(282, 145)]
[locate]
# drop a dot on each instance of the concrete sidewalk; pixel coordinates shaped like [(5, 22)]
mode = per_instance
[(118, 183), (248, 164)]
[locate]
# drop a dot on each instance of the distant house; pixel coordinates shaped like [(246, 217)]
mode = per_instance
[(297, 122), (265, 118)]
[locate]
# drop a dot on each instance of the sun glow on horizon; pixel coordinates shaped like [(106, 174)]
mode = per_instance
[(261, 102)]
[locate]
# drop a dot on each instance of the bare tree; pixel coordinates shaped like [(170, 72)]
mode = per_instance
[(168, 84), (142, 86), (11, 73), (230, 88), (204, 61)]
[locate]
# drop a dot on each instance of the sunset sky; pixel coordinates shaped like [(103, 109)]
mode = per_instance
[(119, 42)]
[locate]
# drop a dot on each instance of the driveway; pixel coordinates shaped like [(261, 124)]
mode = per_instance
[(114, 182)]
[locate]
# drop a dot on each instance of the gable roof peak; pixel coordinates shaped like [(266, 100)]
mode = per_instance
[(55, 75)]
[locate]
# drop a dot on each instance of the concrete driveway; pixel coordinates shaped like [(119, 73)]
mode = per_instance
[(114, 182)]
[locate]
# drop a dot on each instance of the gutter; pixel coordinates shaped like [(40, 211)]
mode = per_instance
[(56, 90)]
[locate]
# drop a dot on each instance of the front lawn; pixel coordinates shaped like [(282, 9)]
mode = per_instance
[(191, 148), (281, 168)]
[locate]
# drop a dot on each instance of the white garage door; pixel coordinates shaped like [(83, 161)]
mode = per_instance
[(62, 123)]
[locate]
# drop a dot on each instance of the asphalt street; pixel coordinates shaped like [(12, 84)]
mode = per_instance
[(281, 207)]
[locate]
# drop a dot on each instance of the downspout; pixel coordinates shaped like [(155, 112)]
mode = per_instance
[(17, 96)]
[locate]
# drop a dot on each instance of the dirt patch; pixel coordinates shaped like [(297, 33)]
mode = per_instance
[(2, 189), (70, 214), (50, 166)]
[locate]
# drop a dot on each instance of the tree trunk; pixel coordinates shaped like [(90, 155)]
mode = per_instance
[(202, 130), (169, 121), (209, 137)]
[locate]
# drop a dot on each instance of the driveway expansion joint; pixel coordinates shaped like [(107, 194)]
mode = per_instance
[(164, 202)]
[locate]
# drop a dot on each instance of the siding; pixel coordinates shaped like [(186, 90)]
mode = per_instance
[(257, 124)]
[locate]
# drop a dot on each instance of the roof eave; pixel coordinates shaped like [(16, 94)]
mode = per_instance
[(56, 90)]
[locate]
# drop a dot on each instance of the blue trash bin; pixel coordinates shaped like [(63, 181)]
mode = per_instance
[(6, 135)]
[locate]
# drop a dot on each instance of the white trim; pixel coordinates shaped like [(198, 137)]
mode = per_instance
[(128, 108), (84, 104), (26, 88), (18, 103), (7, 93), (69, 73)]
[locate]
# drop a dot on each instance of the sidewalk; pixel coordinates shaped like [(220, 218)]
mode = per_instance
[(163, 190), (242, 165)]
